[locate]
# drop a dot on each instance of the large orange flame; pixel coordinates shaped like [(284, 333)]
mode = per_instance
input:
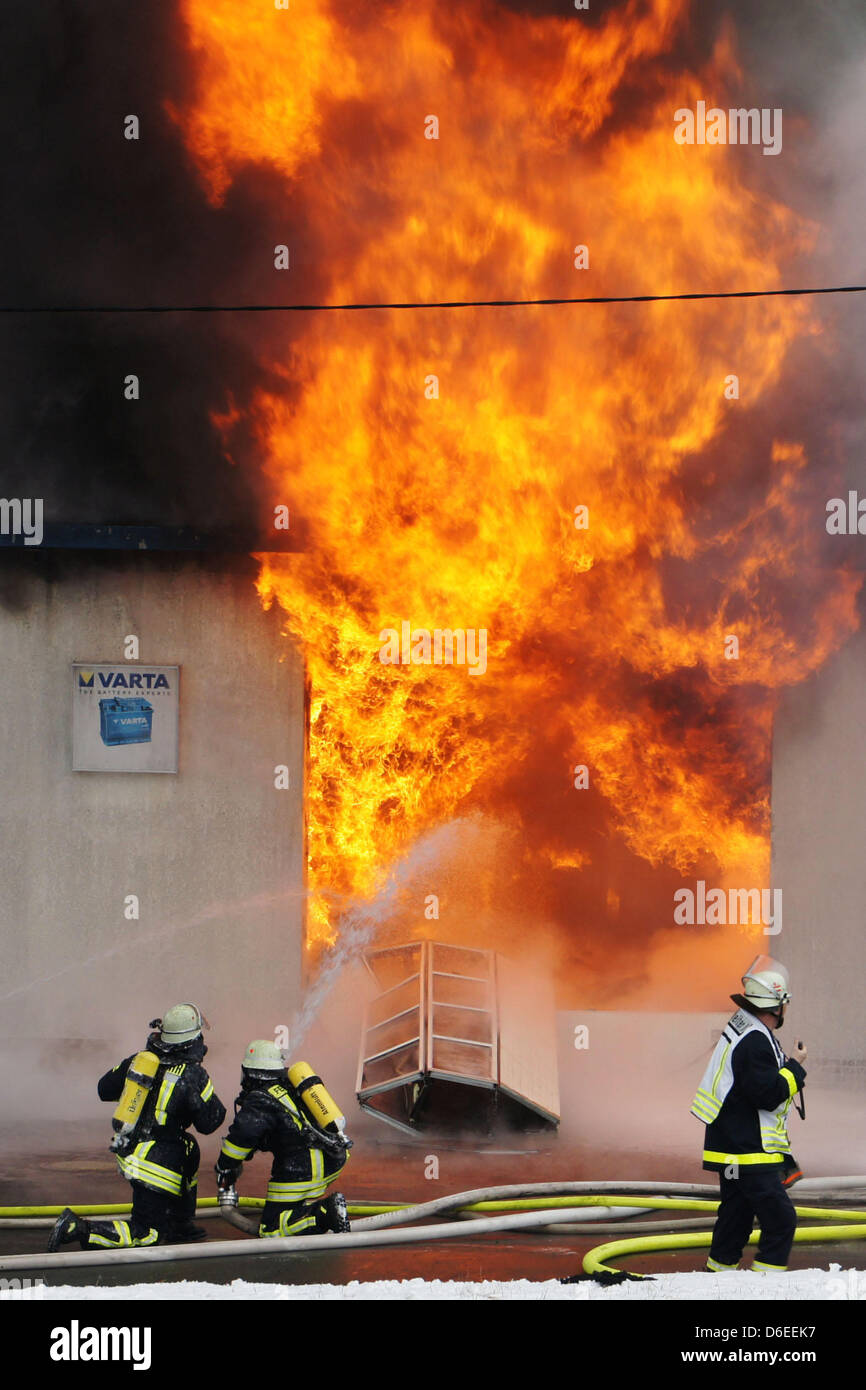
[(458, 511)]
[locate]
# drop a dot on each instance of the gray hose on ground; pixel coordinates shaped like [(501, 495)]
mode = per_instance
[(227, 1199), (239, 1221), (25, 1223), (250, 1225), (410, 1214), (537, 1189), (286, 1246), (819, 1186), (618, 1228), (592, 1221), (229, 1211), (829, 1184), (632, 1222)]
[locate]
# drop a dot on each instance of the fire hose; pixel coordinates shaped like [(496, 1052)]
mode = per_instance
[(391, 1212), (542, 1206), (29, 1217)]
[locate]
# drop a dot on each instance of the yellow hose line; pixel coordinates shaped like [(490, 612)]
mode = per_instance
[(110, 1208), (831, 1213), (593, 1260), (656, 1203), (515, 1204), (373, 1209), (124, 1208)]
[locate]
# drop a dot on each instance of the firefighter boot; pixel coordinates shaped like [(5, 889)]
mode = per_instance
[(67, 1228), (336, 1213)]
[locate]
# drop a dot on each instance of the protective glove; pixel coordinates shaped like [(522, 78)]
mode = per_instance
[(791, 1170), (227, 1176)]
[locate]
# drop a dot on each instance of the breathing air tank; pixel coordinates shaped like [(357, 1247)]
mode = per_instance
[(136, 1089), (316, 1100)]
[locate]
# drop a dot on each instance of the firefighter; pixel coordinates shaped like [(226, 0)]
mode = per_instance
[(157, 1155), (743, 1099), (306, 1160)]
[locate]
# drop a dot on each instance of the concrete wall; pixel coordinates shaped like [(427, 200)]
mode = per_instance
[(819, 860), (214, 853)]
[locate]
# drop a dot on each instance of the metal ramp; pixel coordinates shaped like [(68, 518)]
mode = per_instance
[(457, 1039)]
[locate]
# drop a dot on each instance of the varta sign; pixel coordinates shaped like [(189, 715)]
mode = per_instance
[(124, 716), (120, 680)]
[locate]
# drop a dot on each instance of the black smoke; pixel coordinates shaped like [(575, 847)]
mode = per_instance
[(92, 219)]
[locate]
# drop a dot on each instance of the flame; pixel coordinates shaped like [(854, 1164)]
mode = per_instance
[(606, 645)]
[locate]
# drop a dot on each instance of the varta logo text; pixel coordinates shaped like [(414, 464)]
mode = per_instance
[(77, 1343), (116, 680)]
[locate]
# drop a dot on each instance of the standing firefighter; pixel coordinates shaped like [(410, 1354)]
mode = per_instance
[(274, 1113), (163, 1091), (743, 1099)]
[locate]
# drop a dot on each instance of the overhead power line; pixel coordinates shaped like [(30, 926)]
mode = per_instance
[(416, 304)]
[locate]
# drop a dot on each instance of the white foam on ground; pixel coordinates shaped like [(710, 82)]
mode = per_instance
[(814, 1284)]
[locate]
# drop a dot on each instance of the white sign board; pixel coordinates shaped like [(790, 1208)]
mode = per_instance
[(124, 717)]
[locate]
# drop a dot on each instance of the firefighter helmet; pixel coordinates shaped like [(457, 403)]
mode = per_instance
[(181, 1024), (765, 984), (263, 1055)]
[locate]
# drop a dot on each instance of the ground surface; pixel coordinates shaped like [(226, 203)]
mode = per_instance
[(35, 1169)]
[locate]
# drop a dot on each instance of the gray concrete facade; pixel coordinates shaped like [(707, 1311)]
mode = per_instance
[(819, 860), (215, 853)]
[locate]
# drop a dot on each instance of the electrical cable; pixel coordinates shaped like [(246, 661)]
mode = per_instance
[(421, 304)]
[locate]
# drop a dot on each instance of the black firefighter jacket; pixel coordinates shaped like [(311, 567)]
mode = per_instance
[(745, 1095), (164, 1158)]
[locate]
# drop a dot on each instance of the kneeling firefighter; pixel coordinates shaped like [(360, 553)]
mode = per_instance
[(289, 1114), (163, 1091), (743, 1099)]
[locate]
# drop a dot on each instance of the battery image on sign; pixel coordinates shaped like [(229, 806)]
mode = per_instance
[(125, 721)]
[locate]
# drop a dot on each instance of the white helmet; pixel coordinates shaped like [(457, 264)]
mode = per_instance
[(263, 1055), (765, 984), (181, 1024)]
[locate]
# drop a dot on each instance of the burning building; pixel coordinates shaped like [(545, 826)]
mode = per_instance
[(624, 499), (610, 495)]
